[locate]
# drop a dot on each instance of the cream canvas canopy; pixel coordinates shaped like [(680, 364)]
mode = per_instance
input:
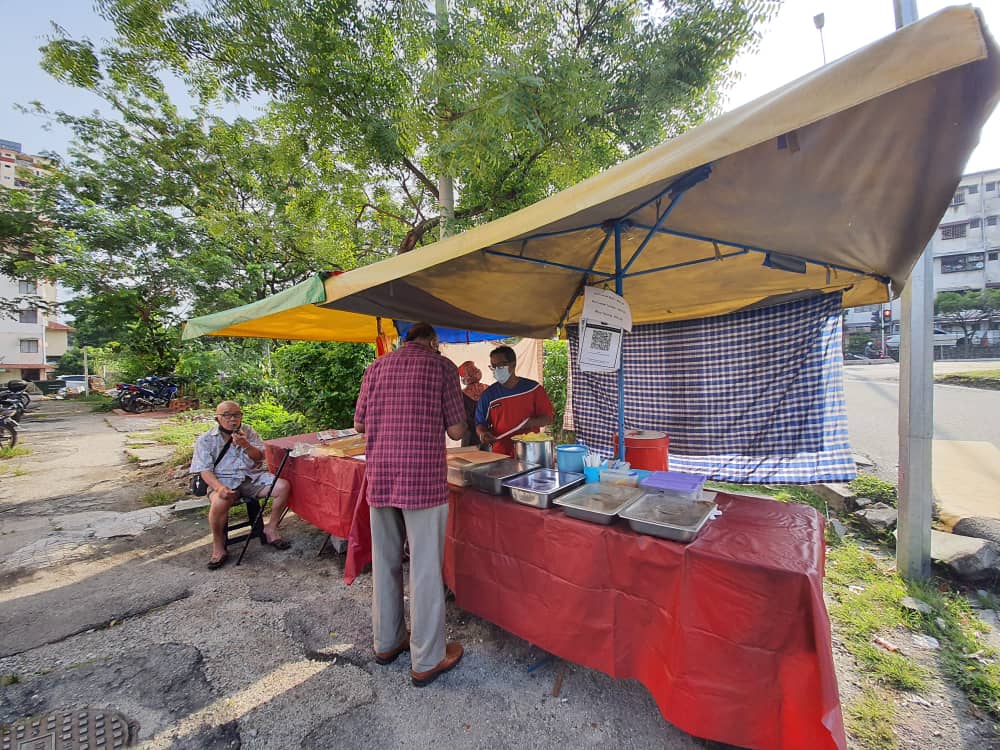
[(834, 182)]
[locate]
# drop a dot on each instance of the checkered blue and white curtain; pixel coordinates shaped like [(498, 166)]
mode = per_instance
[(751, 397)]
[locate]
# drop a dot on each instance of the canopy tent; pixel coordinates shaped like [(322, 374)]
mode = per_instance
[(290, 314), (296, 313), (834, 182)]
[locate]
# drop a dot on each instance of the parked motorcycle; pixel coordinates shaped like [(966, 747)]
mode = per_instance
[(19, 388), (146, 394), (11, 400), (8, 428)]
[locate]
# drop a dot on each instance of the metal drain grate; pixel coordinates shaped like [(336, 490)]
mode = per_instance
[(79, 729)]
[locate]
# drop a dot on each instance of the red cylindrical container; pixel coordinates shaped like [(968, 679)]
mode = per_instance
[(646, 449)]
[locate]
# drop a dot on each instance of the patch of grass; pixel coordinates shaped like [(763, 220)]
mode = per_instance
[(181, 432), (964, 654), (9, 679), (989, 379), (161, 497), (132, 458), (872, 719), (879, 490), (866, 605), (17, 450)]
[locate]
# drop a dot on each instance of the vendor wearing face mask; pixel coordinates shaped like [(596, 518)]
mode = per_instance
[(509, 402), (472, 389)]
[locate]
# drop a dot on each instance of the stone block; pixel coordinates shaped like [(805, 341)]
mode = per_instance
[(966, 557), (836, 495)]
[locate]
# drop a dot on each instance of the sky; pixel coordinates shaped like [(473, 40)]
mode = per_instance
[(790, 48)]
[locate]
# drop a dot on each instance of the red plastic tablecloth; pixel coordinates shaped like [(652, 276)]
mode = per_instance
[(729, 633), (329, 493)]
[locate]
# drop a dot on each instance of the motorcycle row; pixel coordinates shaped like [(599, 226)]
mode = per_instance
[(14, 399), (146, 394)]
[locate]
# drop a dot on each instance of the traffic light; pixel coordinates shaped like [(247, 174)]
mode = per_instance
[(875, 317), (887, 315)]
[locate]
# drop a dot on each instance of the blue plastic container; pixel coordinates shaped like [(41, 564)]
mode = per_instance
[(570, 457)]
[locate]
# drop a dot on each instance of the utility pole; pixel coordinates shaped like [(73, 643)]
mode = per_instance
[(819, 20), (916, 401), (446, 187)]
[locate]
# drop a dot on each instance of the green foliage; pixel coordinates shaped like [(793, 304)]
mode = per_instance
[(555, 378), (322, 380), (986, 379), (232, 369), (879, 490), (272, 420), (14, 452)]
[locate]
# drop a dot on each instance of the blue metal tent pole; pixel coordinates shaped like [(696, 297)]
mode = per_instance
[(621, 358)]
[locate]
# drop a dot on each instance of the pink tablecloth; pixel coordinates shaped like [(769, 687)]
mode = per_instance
[(329, 493), (729, 633)]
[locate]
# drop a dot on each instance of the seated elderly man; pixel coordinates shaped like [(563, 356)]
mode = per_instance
[(229, 458)]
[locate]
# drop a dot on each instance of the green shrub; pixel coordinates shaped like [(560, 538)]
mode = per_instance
[(271, 420), (321, 380), (874, 488), (554, 378)]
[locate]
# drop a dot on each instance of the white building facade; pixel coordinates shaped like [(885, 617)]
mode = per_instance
[(31, 343)]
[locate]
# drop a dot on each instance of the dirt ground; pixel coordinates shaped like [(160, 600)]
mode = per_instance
[(106, 603)]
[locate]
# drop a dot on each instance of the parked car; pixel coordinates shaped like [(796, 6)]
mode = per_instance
[(985, 338), (941, 338), (74, 384)]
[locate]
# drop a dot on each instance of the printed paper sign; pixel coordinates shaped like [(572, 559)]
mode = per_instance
[(607, 308), (600, 347)]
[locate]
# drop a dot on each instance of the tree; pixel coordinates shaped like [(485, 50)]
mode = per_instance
[(515, 99), (968, 310), (26, 237)]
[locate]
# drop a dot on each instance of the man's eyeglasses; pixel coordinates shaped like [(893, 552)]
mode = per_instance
[(231, 414)]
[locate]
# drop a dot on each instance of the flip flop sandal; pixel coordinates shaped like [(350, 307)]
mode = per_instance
[(216, 564), (280, 544)]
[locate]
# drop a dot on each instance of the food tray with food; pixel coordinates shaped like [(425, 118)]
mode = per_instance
[(538, 488), (597, 503), (490, 477), (668, 516)]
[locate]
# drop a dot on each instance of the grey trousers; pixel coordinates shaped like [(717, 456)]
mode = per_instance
[(424, 529)]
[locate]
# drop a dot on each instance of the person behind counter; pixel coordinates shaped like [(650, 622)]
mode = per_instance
[(508, 402), (408, 400), (472, 389)]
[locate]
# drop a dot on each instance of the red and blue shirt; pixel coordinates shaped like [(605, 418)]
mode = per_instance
[(502, 409)]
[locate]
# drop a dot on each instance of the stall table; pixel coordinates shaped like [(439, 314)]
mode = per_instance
[(328, 492), (729, 633)]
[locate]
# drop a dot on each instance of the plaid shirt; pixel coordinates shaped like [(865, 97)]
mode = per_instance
[(235, 466), (408, 398)]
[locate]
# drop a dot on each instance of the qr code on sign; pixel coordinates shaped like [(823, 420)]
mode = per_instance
[(601, 340)]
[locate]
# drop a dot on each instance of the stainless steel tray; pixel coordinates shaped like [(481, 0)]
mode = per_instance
[(669, 516), (538, 488), (597, 502), (491, 477)]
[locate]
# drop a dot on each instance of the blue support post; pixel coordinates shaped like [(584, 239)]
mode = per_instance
[(621, 360)]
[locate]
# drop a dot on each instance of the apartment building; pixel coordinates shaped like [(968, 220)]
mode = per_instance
[(31, 344), (965, 248)]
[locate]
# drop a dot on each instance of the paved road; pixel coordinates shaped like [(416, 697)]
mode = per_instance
[(873, 408)]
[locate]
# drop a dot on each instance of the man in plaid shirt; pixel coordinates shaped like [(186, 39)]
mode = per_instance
[(408, 400)]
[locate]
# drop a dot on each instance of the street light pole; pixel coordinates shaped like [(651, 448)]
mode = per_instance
[(916, 402), (820, 20)]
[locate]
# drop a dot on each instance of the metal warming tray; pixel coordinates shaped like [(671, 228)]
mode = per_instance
[(598, 502), (491, 477), (538, 488), (669, 516)]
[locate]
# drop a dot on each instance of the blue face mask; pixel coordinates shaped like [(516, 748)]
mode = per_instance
[(502, 374)]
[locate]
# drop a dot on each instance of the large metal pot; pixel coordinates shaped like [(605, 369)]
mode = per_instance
[(538, 452)]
